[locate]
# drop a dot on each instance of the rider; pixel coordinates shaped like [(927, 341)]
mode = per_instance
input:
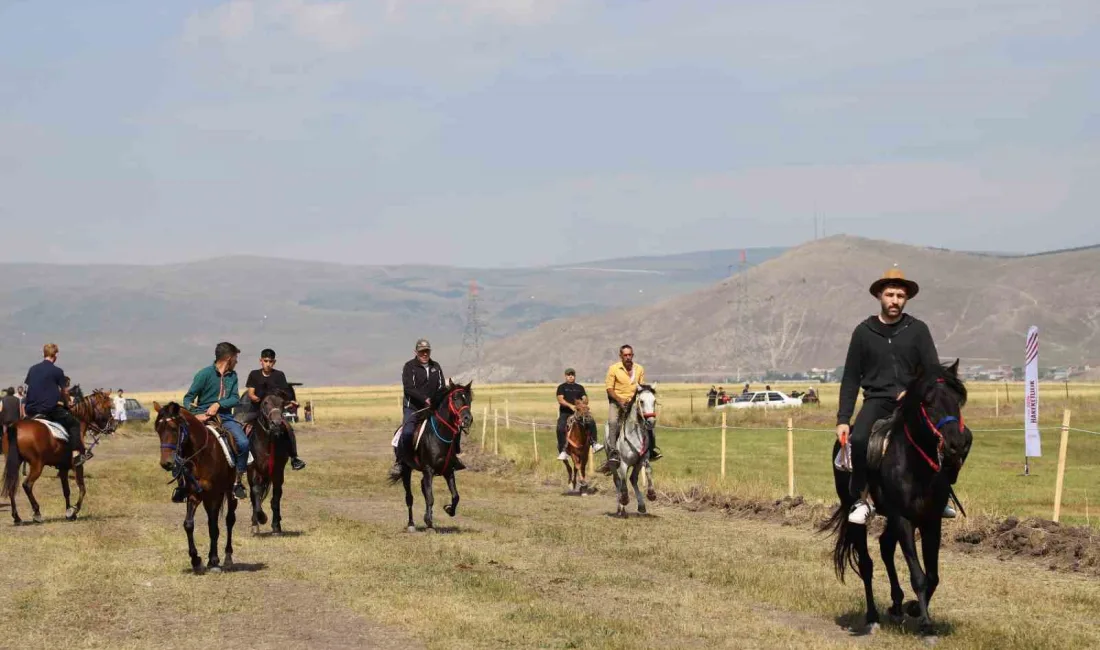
[(422, 379), (213, 393), (570, 393), (884, 355), (48, 398), (623, 380), (264, 381)]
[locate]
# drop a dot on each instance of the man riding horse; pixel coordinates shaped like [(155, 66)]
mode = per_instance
[(623, 379), (48, 399), (422, 380), (885, 354), (265, 381), (569, 394), (213, 394)]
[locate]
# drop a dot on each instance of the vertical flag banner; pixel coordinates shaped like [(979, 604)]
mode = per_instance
[(1032, 447)]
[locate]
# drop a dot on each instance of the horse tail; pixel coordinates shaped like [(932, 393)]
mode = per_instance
[(846, 550), (12, 462)]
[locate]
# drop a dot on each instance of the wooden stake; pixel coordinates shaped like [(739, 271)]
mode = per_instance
[(997, 404), (507, 415), (535, 441), (496, 424), (723, 444), (1061, 466), (484, 425), (790, 457)]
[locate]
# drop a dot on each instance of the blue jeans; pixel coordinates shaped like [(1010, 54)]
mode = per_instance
[(409, 427), (237, 431)]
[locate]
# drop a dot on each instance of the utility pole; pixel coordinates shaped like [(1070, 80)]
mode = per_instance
[(472, 334)]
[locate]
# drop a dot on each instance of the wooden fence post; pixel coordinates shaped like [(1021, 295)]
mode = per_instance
[(790, 457), (535, 440), (507, 415), (1061, 466), (723, 444), (484, 425), (997, 404), (496, 423)]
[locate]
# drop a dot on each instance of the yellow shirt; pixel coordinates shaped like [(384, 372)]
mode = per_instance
[(624, 383)]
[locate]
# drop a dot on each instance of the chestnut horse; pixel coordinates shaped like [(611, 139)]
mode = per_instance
[(269, 431), (189, 449), (577, 446), (31, 442)]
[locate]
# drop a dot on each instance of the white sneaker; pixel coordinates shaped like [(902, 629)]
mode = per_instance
[(861, 513), (949, 512), (563, 456), (597, 447)]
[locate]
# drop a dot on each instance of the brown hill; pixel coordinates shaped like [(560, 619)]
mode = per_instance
[(797, 311)]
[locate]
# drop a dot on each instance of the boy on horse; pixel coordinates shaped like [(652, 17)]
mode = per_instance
[(48, 399), (213, 393), (623, 379), (885, 354), (571, 393), (266, 380), (422, 379)]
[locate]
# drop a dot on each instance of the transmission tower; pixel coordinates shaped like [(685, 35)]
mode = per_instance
[(471, 336), (742, 306)]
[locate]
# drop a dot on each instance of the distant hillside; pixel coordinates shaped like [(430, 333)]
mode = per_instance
[(798, 310), (152, 327)]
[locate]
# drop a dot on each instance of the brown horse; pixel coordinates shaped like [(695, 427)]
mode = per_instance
[(31, 442), (269, 431), (577, 446), (189, 449)]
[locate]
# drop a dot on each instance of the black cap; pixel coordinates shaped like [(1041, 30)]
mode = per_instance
[(267, 353)]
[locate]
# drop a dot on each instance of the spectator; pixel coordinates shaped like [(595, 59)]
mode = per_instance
[(723, 398), (120, 407), (11, 411), (746, 390), (712, 398), (309, 411)]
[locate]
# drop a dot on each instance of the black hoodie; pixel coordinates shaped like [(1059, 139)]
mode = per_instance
[(883, 359)]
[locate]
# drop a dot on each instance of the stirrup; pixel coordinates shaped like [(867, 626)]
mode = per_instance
[(297, 463), (862, 512), (179, 495)]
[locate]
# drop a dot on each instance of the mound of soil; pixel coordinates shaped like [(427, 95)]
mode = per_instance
[(786, 511), (488, 463), (1060, 548)]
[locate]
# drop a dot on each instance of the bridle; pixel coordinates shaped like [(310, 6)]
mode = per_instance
[(184, 435), (456, 412), (936, 464)]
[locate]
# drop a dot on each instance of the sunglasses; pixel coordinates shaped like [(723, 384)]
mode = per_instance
[(423, 353)]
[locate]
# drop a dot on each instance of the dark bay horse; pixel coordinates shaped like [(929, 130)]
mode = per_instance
[(31, 442), (577, 446), (189, 449), (270, 454), (928, 444), (435, 454)]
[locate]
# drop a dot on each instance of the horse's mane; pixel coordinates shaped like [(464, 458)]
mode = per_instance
[(634, 397), (927, 379)]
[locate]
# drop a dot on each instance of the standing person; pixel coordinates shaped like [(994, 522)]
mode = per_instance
[(48, 397), (623, 379), (712, 398), (885, 354), (745, 390), (120, 407), (213, 393), (266, 380), (11, 411), (570, 393), (422, 380)]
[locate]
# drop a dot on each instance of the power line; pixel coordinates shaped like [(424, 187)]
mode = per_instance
[(470, 358)]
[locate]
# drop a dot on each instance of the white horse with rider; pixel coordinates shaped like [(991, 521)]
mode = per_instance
[(634, 444)]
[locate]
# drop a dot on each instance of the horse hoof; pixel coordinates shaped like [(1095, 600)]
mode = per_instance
[(228, 561), (429, 530), (928, 635), (38, 519), (411, 529), (651, 495), (912, 608), (261, 517), (255, 529), (449, 510), (873, 628), (214, 569), (641, 510), (276, 530), (70, 514)]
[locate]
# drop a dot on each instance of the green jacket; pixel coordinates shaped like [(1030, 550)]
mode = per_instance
[(208, 387)]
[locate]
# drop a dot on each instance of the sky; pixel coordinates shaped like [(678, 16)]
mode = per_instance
[(529, 132)]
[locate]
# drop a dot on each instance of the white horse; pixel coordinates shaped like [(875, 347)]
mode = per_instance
[(633, 447)]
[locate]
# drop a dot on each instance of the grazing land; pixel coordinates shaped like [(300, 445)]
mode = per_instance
[(524, 565)]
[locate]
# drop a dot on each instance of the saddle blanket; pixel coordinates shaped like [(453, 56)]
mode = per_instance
[(225, 445), (56, 429), (397, 435)]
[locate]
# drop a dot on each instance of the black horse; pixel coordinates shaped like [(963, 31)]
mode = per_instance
[(910, 483), (269, 432), (433, 446)]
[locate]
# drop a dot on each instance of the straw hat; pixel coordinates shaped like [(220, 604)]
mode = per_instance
[(894, 277)]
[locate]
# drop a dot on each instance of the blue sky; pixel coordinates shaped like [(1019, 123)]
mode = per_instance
[(497, 132)]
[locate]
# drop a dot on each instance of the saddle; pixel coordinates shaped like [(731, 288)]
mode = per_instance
[(879, 441), (228, 444), (56, 430)]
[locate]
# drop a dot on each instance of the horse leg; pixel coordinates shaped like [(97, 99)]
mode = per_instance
[(406, 480), (888, 545), (63, 476), (569, 480), (930, 547), (257, 486), (277, 502), (230, 520), (651, 492), (867, 573), (429, 498), (81, 490), (213, 512), (452, 508), (918, 580), (28, 488), (189, 527), (620, 488), (638, 496)]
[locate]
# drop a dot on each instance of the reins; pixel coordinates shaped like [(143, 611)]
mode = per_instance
[(936, 464)]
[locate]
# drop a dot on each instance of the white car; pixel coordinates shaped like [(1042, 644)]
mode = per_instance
[(763, 399)]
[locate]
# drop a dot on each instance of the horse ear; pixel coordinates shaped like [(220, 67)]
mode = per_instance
[(156, 407), (954, 368)]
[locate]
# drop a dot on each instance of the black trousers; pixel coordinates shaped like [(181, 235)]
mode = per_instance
[(873, 410)]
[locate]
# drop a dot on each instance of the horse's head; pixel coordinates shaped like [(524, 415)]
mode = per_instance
[(103, 410), (75, 393), (271, 412), (936, 398), (581, 412), (169, 426), (456, 403), (646, 404)]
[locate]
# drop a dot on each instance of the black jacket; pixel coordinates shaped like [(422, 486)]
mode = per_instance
[(420, 385), (883, 360)]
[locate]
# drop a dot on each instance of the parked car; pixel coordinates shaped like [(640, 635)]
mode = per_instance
[(135, 412), (763, 399)]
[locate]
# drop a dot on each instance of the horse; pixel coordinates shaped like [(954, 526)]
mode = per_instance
[(640, 414), (32, 442), (577, 446), (189, 449), (433, 451), (269, 431), (925, 450)]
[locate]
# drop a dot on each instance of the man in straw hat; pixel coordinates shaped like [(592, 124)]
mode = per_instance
[(885, 354)]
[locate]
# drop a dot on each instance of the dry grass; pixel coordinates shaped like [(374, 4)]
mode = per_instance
[(521, 566)]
